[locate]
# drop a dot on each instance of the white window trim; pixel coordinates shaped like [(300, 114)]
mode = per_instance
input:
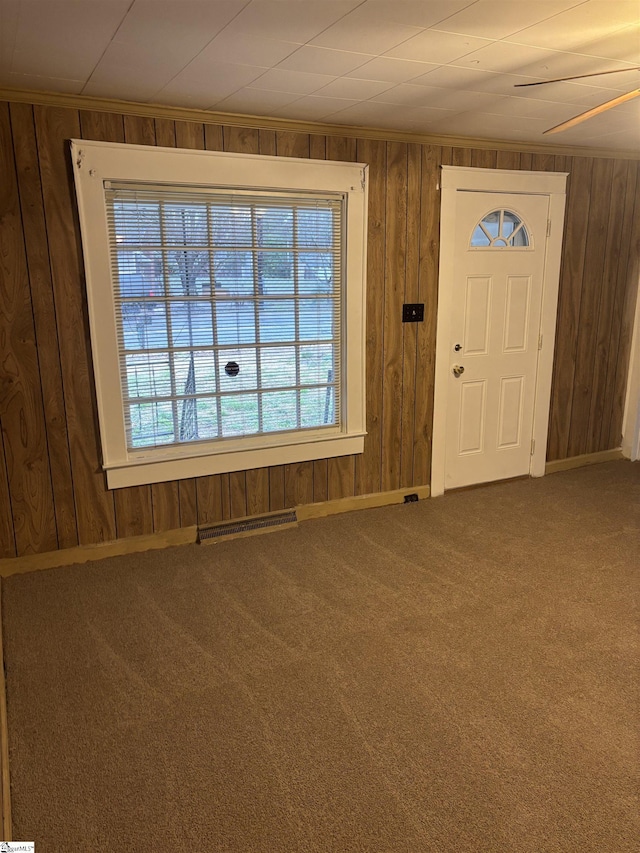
[(94, 163)]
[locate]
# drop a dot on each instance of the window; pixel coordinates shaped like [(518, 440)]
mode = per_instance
[(226, 298), (228, 312), (500, 229)]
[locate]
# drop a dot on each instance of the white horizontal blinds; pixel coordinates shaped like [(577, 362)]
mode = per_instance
[(229, 311)]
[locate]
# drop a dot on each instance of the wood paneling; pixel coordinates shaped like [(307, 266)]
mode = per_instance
[(267, 142), (188, 496), (165, 506), (395, 263), (238, 494), (52, 490), (561, 163), (21, 407), (225, 495), (165, 132), (543, 163), (368, 465), (242, 140), (596, 239), (258, 491), (606, 300), (461, 156), (94, 504), (508, 160), (484, 159), (7, 531), (209, 494), (410, 330), (213, 138), (627, 273), (569, 299), (629, 296), (44, 315), (189, 134), (318, 147), (321, 480), (291, 144), (298, 484), (428, 294), (276, 487), (139, 130)]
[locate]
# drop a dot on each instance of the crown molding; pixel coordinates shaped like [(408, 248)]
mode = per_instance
[(85, 102)]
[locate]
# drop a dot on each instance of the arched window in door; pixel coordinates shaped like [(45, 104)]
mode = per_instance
[(500, 229)]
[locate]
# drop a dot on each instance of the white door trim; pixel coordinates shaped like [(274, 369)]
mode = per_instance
[(553, 185), (631, 421)]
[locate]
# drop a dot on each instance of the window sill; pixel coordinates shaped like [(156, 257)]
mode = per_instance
[(140, 473)]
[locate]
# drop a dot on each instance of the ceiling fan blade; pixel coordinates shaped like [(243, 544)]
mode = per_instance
[(594, 112), (577, 77)]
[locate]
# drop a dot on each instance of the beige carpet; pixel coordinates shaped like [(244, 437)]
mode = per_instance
[(454, 675)]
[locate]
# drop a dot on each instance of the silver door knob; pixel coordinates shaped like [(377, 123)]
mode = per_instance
[(458, 370)]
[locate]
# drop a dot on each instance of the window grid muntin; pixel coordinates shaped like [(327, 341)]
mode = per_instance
[(214, 320), (333, 300), (500, 240), (296, 292), (169, 323), (256, 264)]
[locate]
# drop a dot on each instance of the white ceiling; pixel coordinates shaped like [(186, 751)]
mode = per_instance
[(446, 67)]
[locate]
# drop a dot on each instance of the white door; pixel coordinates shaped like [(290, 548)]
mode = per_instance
[(499, 262)]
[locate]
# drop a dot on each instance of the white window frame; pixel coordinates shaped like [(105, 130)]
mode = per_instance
[(94, 164)]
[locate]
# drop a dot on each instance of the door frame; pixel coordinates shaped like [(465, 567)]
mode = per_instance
[(469, 178), (631, 420)]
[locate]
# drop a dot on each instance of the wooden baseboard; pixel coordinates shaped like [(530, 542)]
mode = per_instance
[(100, 551), (585, 459), (5, 780), (324, 508), (188, 535)]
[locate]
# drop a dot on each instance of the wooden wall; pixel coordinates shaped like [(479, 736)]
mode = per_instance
[(52, 490)]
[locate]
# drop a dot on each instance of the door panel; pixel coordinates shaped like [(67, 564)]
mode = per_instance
[(497, 296), (472, 417), (516, 324), (510, 416), (476, 318)]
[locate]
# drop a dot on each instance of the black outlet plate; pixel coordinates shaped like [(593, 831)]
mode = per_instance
[(413, 312)]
